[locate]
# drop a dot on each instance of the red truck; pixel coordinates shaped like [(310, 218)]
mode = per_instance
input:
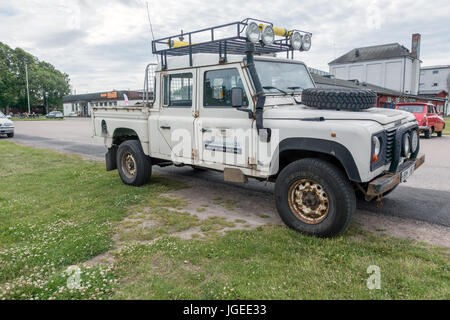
[(427, 117)]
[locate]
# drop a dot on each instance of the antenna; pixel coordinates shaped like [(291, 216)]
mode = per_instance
[(151, 27)]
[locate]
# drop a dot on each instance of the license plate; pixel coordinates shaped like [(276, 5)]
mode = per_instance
[(406, 173)]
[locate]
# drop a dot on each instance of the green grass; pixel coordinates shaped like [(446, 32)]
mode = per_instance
[(57, 211), (277, 263), (447, 126)]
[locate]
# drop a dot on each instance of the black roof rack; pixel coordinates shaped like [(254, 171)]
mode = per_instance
[(214, 41)]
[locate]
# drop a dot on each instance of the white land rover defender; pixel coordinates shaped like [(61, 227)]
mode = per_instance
[(220, 99)]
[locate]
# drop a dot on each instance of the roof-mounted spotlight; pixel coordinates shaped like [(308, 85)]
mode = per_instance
[(268, 35), (253, 32), (296, 40), (306, 42)]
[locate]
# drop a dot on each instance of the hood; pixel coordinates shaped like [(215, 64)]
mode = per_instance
[(4, 121), (380, 115)]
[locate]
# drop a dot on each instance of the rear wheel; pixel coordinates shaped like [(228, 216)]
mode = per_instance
[(439, 133), (133, 165), (315, 197)]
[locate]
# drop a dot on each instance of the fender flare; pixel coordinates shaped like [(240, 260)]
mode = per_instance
[(331, 148)]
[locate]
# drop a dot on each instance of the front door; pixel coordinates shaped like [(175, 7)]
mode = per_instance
[(177, 115), (224, 134)]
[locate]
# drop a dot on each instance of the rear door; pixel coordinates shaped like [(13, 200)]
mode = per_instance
[(431, 116), (438, 123), (177, 115)]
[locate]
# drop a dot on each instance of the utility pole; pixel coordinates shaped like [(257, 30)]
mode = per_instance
[(28, 90)]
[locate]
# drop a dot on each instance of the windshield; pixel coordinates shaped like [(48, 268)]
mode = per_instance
[(412, 108), (2, 115), (279, 77)]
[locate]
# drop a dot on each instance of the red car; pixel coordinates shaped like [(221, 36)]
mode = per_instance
[(427, 117)]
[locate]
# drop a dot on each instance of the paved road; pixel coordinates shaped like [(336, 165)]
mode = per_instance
[(425, 197)]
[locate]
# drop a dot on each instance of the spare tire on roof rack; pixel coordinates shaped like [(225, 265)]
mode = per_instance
[(339, 99)]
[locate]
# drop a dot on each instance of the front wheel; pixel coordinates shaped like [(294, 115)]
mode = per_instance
[(10, 135), (314, 197), (133, 165)]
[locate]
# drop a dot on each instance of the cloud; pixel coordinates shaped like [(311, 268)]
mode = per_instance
[(105, 44)]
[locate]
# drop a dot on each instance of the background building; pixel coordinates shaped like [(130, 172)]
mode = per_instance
[(81, 104), (391, 66), (435, 81)]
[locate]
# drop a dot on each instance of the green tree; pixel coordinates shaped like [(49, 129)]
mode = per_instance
[(47, 84)]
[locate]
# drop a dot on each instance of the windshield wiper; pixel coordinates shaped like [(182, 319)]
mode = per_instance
[(294, 88), (271, 88)]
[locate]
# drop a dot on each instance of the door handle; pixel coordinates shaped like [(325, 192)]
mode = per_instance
[(205, 130), (165, 127)]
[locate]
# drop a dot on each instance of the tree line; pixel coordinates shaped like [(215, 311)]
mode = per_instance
[(47, 85)]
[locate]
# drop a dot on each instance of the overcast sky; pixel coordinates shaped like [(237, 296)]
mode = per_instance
[(105, 44)]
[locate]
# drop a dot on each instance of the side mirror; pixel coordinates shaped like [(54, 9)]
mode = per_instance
[(237, 97)]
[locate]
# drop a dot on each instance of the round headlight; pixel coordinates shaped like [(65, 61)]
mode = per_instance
[(253, 32), (268, 35), (296, 40), (376, 145), (406, 145), (306, 42), (414, 141)]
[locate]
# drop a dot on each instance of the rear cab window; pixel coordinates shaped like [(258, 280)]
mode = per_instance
[(413, 108), (177, 91)]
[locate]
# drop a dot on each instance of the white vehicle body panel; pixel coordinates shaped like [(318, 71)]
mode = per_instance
[(157, 124)]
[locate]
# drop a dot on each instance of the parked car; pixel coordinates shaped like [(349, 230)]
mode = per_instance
[(55, 115), (254, 116), (73, 115), (427, 117), (6, 126)]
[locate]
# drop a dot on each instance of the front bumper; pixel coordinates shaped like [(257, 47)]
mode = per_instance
[(424, 128), (389, 181), (6, 130)]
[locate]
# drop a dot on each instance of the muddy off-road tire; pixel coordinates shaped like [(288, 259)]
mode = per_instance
[(315, 197), (133, 165), (339, 99)]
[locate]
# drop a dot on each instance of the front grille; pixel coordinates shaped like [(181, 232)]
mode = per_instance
[(390, 139)]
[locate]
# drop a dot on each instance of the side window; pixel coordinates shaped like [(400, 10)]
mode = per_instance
[(430, 109), (180, 90), (217, 87)]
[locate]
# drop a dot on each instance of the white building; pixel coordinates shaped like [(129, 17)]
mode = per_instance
[(434, 80), (390, 66), (81, 104)]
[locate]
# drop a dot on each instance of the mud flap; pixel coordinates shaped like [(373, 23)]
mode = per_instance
[(110, 158)]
